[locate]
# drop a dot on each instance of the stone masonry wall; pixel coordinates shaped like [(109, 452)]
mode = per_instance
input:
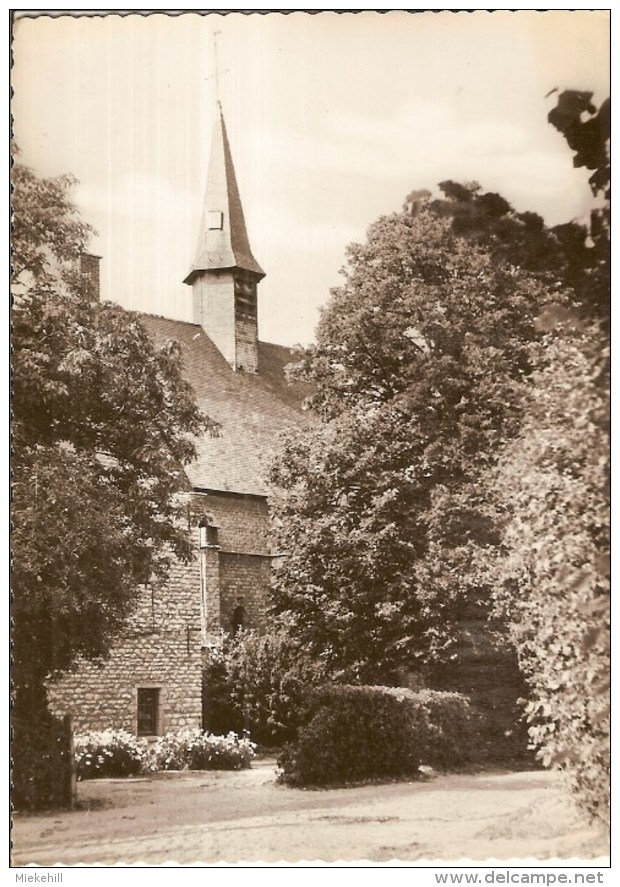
[(243, 521), (102, 695), (244, 579), (174, 604), (162, 645), (161, 648), (244, 564), (211, 561)]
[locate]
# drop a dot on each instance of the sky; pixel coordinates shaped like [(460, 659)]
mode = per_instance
[(332, 118)]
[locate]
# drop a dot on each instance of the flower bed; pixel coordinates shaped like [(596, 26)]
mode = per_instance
[(195, 750), (114, 753), (108, 753)]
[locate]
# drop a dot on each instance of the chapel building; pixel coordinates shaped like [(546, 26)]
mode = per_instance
[(151, 682)]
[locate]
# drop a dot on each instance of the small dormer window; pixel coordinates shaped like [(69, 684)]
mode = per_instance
[(215, 220)]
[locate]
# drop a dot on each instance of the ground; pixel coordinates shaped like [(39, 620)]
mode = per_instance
[(245, 816)]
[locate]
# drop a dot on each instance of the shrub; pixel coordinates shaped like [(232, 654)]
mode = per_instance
[(447, 725), (108, 753), (221, 712), (259, 682), (191, 749), (358, 733)]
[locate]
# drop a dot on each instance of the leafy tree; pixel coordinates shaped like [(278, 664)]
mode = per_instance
[(48, 233), (102, 426), (569, 252), (552, 581), (575, 252), (420, 360), (518, 238), (259, 683), (587, 130), (551, 489), (588, 137)]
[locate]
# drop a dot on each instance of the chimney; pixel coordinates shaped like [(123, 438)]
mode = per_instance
[(89, 274)]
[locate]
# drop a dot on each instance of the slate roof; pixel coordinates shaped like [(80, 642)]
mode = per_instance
[(228, 246), (253, 409)]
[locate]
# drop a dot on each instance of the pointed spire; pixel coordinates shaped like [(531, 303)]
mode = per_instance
[(223, 241)]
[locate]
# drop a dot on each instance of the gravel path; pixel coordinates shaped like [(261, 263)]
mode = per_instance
[(245, 816)]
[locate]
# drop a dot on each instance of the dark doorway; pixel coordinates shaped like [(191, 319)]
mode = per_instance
[(239, 619)]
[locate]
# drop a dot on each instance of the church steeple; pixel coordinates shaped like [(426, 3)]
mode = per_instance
[(225, 274)]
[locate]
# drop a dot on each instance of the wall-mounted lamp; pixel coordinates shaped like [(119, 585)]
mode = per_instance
[(208, 532)]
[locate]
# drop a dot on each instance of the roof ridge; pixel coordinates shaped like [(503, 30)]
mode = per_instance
[(163, 317), (199, 327)]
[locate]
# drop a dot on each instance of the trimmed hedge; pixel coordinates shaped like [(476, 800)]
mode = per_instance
[(359, 733), (448, 727)]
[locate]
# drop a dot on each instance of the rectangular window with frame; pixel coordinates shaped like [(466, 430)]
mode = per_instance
[(148, 711)]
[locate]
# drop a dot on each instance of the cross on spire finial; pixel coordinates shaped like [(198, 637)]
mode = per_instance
[(216, 70)]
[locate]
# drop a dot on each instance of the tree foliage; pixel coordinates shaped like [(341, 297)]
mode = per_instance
[(587, 136), (419, 362), (587, 130), (257, 683), (518, 238), (462, 458), (102, 426), (552, 579), (572, 253), (551, 490), (47, 231)]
